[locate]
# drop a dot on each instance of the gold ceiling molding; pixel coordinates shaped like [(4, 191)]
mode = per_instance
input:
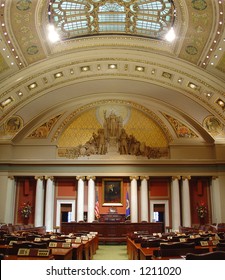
[(84, 108), (43, 86)]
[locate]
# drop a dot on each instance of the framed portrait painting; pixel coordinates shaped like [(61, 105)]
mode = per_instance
[(112, 192)]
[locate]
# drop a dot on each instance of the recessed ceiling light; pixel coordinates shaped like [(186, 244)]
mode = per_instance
[(6, 102), (58, 75), (112, 66), (32, 86), (139, 68), (85, 68)]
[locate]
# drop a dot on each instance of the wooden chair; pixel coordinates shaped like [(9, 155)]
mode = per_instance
[(215, 255)]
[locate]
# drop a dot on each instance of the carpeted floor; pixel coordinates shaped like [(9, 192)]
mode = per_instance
[(111, 252)]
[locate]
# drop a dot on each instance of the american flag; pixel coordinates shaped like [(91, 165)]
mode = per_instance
[(97, 215)]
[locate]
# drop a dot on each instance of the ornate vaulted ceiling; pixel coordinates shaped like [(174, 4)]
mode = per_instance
[(173, 91)]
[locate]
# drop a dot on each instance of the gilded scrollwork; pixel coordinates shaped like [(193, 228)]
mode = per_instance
[(44, 130)]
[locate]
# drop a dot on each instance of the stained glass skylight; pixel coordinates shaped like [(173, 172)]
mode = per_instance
[(75, 18)]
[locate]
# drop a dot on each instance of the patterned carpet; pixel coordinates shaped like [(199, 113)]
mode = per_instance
[(111, 252)]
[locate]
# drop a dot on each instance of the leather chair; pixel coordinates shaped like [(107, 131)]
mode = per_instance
[(176, 249), (38, 245), (215, 255)]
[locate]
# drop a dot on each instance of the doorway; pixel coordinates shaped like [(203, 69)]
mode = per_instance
[(65, 211), (159, 211)]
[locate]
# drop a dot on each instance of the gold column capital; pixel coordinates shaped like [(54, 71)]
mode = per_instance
[(176, 178), (11, 177), (144, 177), (186, 177), (39, 177), (134, 178), (49, 177), (80, 178), (214, 177), (91, 178)]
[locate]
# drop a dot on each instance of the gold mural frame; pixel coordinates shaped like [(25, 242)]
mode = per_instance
[(112, 192)]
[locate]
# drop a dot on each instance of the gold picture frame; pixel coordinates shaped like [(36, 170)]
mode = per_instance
[(112, 192)]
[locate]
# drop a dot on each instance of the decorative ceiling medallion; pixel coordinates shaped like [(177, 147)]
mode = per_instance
[(191, 50), (23, 5), (199, 5), (167, 75), (213, 125), (32, 50), (13, 124)]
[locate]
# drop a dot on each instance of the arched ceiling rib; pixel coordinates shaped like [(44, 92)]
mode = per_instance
[(164, 77)]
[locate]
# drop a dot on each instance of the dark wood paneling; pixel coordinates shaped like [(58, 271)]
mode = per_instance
[(111, 231)]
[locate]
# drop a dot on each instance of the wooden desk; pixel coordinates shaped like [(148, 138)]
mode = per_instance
[(147, 253), (133, 249), (77, 251), (62, 253), (210, 248), (15, 257), (111, 231)]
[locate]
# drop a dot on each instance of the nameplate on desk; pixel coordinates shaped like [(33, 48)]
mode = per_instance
[(204, 243), (53, 237), (214, 242), (43, 252), (37, 239), (77, 241), (66, 245), (52, 244), (183, 239), (11, 242), (85, 238), (68, 240), (23, 252)]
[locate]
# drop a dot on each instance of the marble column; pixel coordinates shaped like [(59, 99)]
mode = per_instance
[(175, 199), (39, 202), (216, 200), (49, 204), (91, 199), (186, 209), (10, 200), (80, 198), (144, 199), (134, 199)]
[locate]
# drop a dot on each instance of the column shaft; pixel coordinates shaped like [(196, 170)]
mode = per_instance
[(91, 199), (39, 203), (175, 193), (49, 204), (144, 199), (186, 210), (80, 199), (134, 200)]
